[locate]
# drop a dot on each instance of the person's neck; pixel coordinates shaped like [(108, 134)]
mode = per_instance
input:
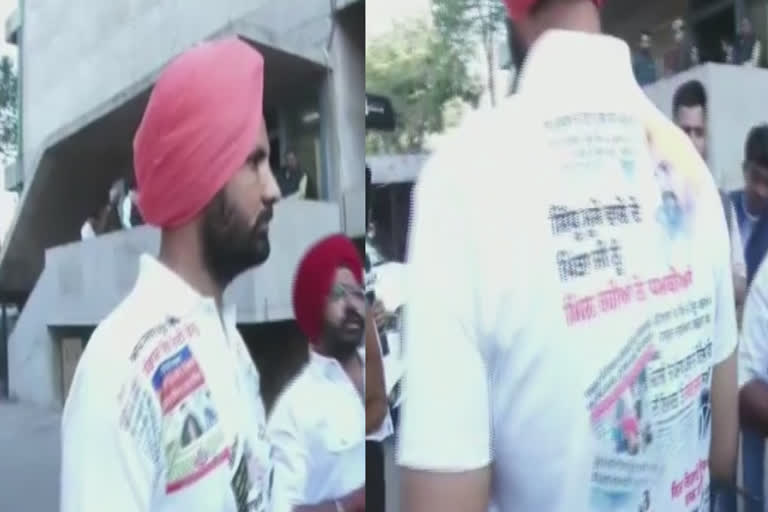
[(185, 259), (579, 16), (347, 360)]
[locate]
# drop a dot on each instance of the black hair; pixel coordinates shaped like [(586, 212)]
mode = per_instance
[(645, 33), (756, 148), (690, 94)]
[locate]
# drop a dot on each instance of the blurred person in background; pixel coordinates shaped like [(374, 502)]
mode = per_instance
[(684, 54), (643, 62), (689, 107), (751, 202), (294, 181), (748, 49), (316, 425), (752, 214), (170, 354), (515, 358)]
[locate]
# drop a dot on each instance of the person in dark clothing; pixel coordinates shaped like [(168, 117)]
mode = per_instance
[(294, 181), (684, 54), (752, 201), (747, 50), (642, 62)]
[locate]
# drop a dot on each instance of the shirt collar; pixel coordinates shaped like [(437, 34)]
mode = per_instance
[(563, 60), (169, 293), (328, 366)]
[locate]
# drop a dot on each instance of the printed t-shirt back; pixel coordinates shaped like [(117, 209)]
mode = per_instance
[(590, 296)]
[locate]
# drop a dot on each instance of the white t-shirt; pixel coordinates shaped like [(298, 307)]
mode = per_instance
[(563, 323), (318, 430), (753, 350), (164, 412)]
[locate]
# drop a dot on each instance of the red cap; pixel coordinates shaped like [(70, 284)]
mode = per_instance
[(519, 8)]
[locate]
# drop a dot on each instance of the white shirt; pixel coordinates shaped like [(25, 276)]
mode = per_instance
[(753, 350), (580, 378), (318, 430), (87, 231), (164, 412)]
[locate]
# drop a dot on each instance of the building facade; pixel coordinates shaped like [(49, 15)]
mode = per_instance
[(86, 71)]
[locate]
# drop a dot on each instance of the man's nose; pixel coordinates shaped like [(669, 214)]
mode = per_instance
[(271, 193)]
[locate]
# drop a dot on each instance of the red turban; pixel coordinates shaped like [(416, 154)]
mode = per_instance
[(314, 278), (520, 8), (201, 124)]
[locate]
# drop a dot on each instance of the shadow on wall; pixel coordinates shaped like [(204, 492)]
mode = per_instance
[(280, 351)]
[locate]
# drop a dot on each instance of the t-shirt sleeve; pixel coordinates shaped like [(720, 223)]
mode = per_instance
[(290, 453), (445, 419), (110, 445), (753, 352)]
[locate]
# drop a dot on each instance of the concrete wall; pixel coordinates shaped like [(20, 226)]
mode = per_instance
[(344, 96), (108, 48), (83, 282), (736, 98)]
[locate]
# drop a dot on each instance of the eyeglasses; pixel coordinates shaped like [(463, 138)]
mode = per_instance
[(340, 291)]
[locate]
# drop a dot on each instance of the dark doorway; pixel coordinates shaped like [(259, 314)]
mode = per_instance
[(711, 29)]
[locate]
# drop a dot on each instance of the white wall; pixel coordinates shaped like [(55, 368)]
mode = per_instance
[(81, 57), (737, 102)]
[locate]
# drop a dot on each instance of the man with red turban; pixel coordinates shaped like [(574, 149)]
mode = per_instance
[(164, 412), (318, 423), (535, 305)]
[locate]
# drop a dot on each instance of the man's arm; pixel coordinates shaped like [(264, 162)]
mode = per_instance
[(376, 404), (107, 460), (724, 392), (444, 440)]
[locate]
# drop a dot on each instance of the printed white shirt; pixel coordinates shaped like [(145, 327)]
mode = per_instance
[(318, 430), (164, 412), (563, 324)]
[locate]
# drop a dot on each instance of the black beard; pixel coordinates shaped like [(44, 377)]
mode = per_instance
[(338, 343), (518, 49), (230, 246)]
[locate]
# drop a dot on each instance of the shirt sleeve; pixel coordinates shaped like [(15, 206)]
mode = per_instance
[(110, 450), (753, 352), (445, 419), (290, 453)]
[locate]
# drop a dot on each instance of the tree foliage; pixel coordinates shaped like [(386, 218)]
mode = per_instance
[(9, 114), (464, 23), (420, 73)]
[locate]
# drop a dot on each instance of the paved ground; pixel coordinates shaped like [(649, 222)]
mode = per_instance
[(29, 464)]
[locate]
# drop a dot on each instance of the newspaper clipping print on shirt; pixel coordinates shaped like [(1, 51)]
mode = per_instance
[(651, 314)]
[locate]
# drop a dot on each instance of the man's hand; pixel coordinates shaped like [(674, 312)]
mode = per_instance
[(355, 501), (380, 315)]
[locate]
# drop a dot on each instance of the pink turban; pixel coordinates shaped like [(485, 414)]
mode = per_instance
[(314, 279), (201, 124)]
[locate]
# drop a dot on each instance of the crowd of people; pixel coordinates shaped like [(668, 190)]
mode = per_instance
[(744, 50)]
